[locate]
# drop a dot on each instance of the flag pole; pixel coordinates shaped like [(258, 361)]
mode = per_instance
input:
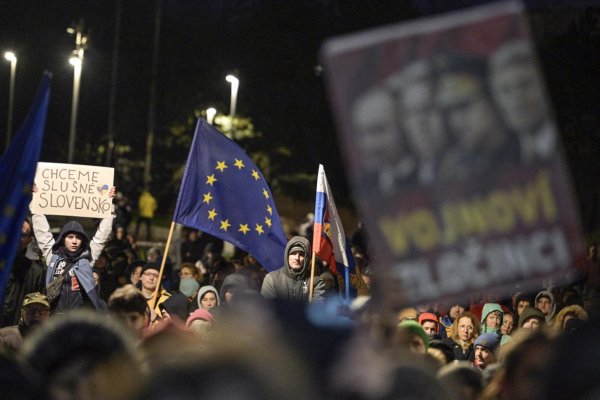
[(312, 277), (162, 264)]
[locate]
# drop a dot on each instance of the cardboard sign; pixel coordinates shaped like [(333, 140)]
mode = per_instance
[(453, 154), (73, 190)]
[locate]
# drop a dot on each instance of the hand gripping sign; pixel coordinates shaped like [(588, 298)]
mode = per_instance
[(73, 190)]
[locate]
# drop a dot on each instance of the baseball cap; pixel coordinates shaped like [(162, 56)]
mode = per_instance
[(36, 298)]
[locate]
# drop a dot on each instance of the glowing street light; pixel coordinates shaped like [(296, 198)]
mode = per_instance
[(235, 83), (10, 56), (210, 114), (76, 60)]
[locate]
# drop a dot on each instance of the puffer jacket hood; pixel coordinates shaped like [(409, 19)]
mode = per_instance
[(548, 294), (305, 270), (71, 226), (487, 309)]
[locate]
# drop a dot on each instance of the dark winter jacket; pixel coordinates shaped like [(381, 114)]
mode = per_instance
[(288, 284)]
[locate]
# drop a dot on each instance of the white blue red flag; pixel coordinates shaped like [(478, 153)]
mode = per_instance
[(329, 238)]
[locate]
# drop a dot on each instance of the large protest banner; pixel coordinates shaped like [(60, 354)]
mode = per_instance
[(454, 155), (73, 190)]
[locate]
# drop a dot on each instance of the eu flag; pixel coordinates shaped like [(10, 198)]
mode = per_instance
[(18, 166), (224, 194)]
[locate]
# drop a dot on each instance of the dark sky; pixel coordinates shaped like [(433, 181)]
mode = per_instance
[(272, 45)]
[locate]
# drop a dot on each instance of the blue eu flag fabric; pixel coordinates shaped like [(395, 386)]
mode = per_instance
[(224, 194), (17, 168)]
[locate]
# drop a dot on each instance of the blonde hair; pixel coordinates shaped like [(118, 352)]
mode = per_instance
[(453, 331)]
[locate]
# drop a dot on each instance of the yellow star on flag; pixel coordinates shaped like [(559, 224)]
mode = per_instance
[(225, 225), (221, 166), (207, 198), (259, 229), (244, 228), (269, 210), (211, 179), (268, 221), (255, 174), (239, 164), (212, 214), (266, 193)]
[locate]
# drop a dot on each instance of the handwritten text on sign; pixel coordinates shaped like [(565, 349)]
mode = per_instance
[(74, 190)]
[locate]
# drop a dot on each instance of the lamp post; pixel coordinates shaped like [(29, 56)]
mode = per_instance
[(10, 56), (210, 114), (76, 60), (235, 83)]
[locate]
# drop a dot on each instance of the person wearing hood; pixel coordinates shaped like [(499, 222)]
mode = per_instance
[(291, 282), (69, 280), (492, 316), (544, 301), (532, 318), (232, 285), (208, 298)]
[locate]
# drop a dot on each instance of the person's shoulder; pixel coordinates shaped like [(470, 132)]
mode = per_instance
[(9, 331)]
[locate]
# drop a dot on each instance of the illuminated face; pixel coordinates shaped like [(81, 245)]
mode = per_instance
[(186, 273), (429, 327), (531, 323), (73, 241), (544, 304), (507, 324), (483, 357), (34, 313), (465, 329), (493, 320), (150, 279), (134, 321), (208, 301), (296, 260), (136, 275)]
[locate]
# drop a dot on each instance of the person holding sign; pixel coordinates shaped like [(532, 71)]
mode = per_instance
[(69, 280)]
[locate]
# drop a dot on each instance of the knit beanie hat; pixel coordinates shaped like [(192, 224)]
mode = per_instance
[(415, 327), (203, 290), (297, 248), (199, 314), (488, 340), (531, 312), (429, 317), (151, 265)]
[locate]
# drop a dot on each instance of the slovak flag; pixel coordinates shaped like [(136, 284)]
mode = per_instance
[(329, 239)]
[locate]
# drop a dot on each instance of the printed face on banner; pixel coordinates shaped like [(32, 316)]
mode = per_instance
[(453, 153), (73, 190)]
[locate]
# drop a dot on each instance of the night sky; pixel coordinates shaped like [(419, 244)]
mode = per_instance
[(273, 47)]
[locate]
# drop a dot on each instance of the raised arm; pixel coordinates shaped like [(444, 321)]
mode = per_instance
[(42, 233), (104, 229)]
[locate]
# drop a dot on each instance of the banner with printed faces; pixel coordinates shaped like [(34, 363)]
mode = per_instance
[(454, 156), (73, 190)]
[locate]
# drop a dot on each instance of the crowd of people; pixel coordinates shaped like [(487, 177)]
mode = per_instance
[(100, 318)]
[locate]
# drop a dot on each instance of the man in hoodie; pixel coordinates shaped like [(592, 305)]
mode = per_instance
[(291, 282), (544, 301), (70, 260), (485, 350)]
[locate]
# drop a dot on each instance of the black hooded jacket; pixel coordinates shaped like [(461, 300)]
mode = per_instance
[(291, 285)]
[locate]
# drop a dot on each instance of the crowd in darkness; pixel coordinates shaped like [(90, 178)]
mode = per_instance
[(92, 317)]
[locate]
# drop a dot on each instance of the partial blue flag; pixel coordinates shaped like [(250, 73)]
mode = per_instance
[(224, 194), (18, 166)]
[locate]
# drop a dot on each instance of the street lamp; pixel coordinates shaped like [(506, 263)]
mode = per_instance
[(10, 56), (210, 114), (235, 83), (76, 60)]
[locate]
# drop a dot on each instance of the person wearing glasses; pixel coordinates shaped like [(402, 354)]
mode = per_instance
[(150, 281), (35, 310)]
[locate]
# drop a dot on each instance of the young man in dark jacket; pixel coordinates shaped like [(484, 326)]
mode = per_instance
[(291, 282)]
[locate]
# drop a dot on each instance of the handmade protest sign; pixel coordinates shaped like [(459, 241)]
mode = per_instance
[(453, 154), (73, 190)]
